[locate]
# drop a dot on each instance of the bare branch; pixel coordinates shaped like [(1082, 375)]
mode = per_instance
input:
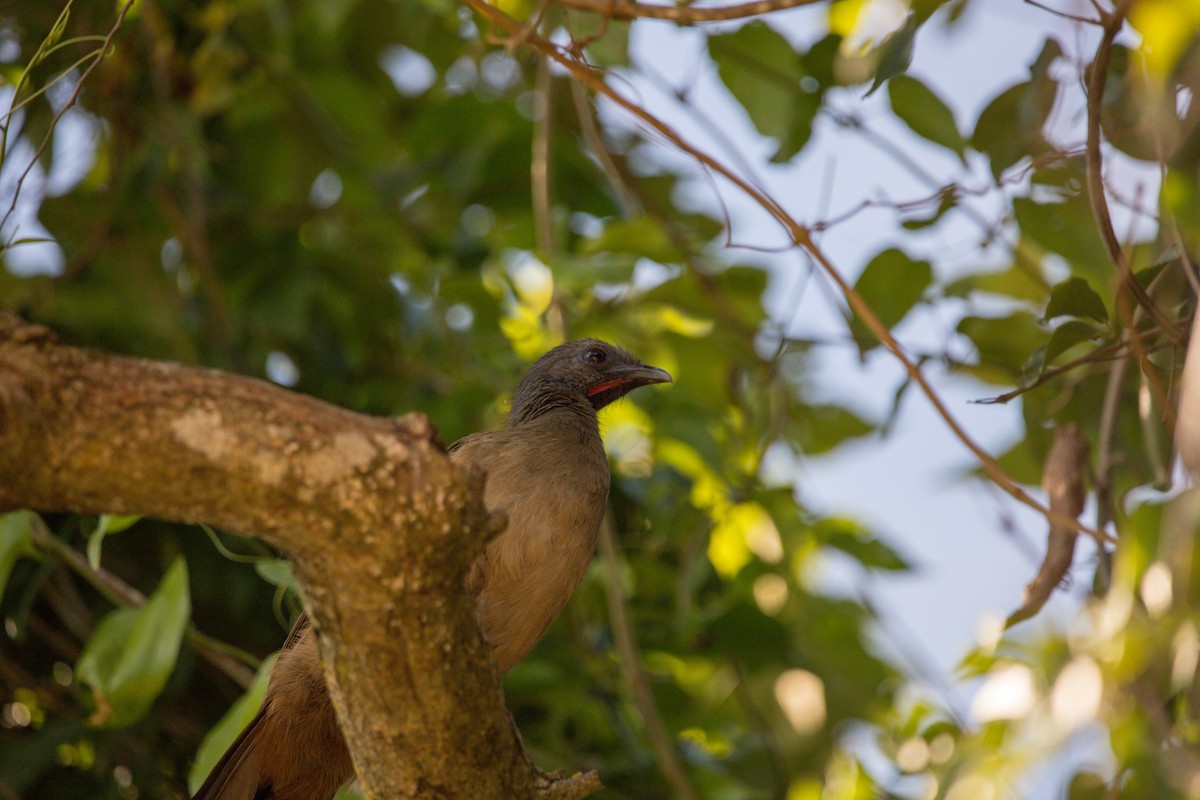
[(683, 14), (101, 51), (627, 651), (1095, 180)]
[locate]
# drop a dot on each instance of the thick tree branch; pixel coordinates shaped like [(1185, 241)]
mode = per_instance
[(380, 527)]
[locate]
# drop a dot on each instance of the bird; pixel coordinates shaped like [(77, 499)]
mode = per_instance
[(548, 473)]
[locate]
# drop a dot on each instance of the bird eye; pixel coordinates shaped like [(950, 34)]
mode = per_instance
[(595, 356)]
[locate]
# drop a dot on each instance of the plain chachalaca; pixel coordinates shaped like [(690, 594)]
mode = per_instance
[(548, 472)]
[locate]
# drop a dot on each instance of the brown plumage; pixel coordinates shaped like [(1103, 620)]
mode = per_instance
[(547, 471)]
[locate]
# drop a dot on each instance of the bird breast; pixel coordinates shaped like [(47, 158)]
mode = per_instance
[(550, 476)]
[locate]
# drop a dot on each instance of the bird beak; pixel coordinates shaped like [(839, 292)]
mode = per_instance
[(624, 379)]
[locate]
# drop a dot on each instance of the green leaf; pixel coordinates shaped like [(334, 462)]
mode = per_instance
[(895, 53), (1066, 228), (221, 736), (1068, 335), (924, 112), (16, 540), (608, 39), (1075, 298), (1010, 127), (891, 284), (763, 73), (109, 523), (1017, 282), (857, 542), (133, 651), (820, 428), (1004, 344), (643, 237), (948, 201), (277, 572)]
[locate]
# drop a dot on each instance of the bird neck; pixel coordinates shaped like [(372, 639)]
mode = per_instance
[(532, 403)]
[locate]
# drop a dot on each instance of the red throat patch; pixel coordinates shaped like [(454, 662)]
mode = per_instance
[(604, 387)]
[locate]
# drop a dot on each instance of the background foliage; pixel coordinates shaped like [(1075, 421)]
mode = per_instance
[(378, 205)]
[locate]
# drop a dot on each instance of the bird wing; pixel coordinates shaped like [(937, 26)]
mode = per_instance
[(237, 774)]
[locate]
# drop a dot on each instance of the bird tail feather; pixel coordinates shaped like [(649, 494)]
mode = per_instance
[(236, 776)]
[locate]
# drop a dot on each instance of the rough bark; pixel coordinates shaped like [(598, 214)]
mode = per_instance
[(380, 528)]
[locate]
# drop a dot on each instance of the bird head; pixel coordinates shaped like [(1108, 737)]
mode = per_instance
[(589, 368)]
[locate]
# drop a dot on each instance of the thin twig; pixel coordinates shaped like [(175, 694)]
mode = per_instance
[(591, 134), (1095, 180), (191, 221), (1099, 355), (635, 677), (99, 56), (686, 15), (539, 164), (1063, 14)]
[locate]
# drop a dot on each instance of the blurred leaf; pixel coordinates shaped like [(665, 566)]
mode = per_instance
[(1016, 282), (820, 428), (1068, 335), (1075, 298), (763, 73), (892, 284), (277, 572), (221, 736), (1004, 344), (16, 540), (609, 38), (925, 113), (1137, 116), (947, 201), (1066, 228), (745, 634), (855, 541), (108, 524), (1010, 128), (643, 237), (895, 53), (132, 653)]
